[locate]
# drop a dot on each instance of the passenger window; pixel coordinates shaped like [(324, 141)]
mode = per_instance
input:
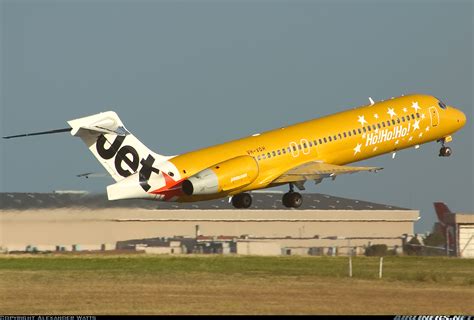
[(273, 153), (393, 122), (315, 142), (278, 152), (335, 137), (329, 138), (294, 148), (310, 144), (325, 140), (388, 123), (345, 135), (283, 150), (360, 131), (398, 120), (374, 127), (383, 124), (378, 125), (364, 129), (349, 133), (304, 145), (258, 158), (412, 116), (403, 119), (321, 141), (299, 147), (340, 135), (417, 115), (355, 132), (289, 149), (369, 128), (263, 156), (269, 155)]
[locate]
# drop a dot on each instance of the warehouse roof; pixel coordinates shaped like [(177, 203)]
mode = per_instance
[(261, 200)]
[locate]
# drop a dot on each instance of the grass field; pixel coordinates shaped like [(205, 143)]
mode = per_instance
[(141, 284)]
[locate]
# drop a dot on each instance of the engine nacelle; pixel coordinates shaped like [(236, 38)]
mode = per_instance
[(224, 176)]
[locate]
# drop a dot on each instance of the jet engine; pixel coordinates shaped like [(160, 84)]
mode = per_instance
[(224, 176)]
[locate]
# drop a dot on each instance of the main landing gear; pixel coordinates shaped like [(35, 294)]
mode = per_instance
[(242, 200), (292, 199), (444, 151)]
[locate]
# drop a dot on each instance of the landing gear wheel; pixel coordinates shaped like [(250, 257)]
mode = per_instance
[(246, 200), (236, 202), (285, 201), (445, 152), (292, 200), (242, 200)]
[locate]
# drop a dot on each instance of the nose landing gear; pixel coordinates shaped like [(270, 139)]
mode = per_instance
[(444, 151), (292, 199)]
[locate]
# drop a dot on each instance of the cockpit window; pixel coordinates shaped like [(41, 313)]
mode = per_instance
[(441, 105)]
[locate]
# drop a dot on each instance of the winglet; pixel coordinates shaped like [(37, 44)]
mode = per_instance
[(371, 101)]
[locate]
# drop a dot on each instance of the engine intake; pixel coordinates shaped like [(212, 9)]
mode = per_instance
[(224, 176)]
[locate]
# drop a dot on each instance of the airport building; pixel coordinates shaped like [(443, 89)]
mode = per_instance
[(462, 227), (326, 225), (320, 231)]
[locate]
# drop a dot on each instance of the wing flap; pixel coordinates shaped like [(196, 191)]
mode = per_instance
[(318, 171)]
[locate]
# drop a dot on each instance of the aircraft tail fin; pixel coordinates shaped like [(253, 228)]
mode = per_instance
[(441, 211), (119, 151)]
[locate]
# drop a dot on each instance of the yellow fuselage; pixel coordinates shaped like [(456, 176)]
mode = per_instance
[(341, 138)]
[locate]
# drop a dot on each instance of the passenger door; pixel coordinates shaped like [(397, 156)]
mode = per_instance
[(434, 116)]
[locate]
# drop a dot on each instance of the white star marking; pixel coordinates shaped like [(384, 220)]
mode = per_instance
[(415, 106), (405, 110), (396, 142), (410, 139), (357, 148), (427, 128), (391, 112), (362, 120), (423, 116), (375, 149), (376, 116), (364, 136), (420, 135), (416, 125)]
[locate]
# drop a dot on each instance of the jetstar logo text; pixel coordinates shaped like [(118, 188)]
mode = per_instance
[(127, 160)]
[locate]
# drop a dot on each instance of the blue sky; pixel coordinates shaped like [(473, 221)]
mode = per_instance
[(188, 74)]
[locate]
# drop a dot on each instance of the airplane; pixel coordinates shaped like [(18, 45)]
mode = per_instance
[(313, 150), (445, 223)]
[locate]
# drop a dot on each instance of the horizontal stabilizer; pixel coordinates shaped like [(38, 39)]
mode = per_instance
[(101, 123), (91, 175), (39, 133)]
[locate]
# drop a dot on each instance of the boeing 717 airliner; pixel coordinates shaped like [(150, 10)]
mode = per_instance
[(311, 150)]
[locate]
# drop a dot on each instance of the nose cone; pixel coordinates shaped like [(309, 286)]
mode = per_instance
[(460, 117)]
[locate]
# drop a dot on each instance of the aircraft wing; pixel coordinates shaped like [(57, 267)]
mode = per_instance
[(317, 171)]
